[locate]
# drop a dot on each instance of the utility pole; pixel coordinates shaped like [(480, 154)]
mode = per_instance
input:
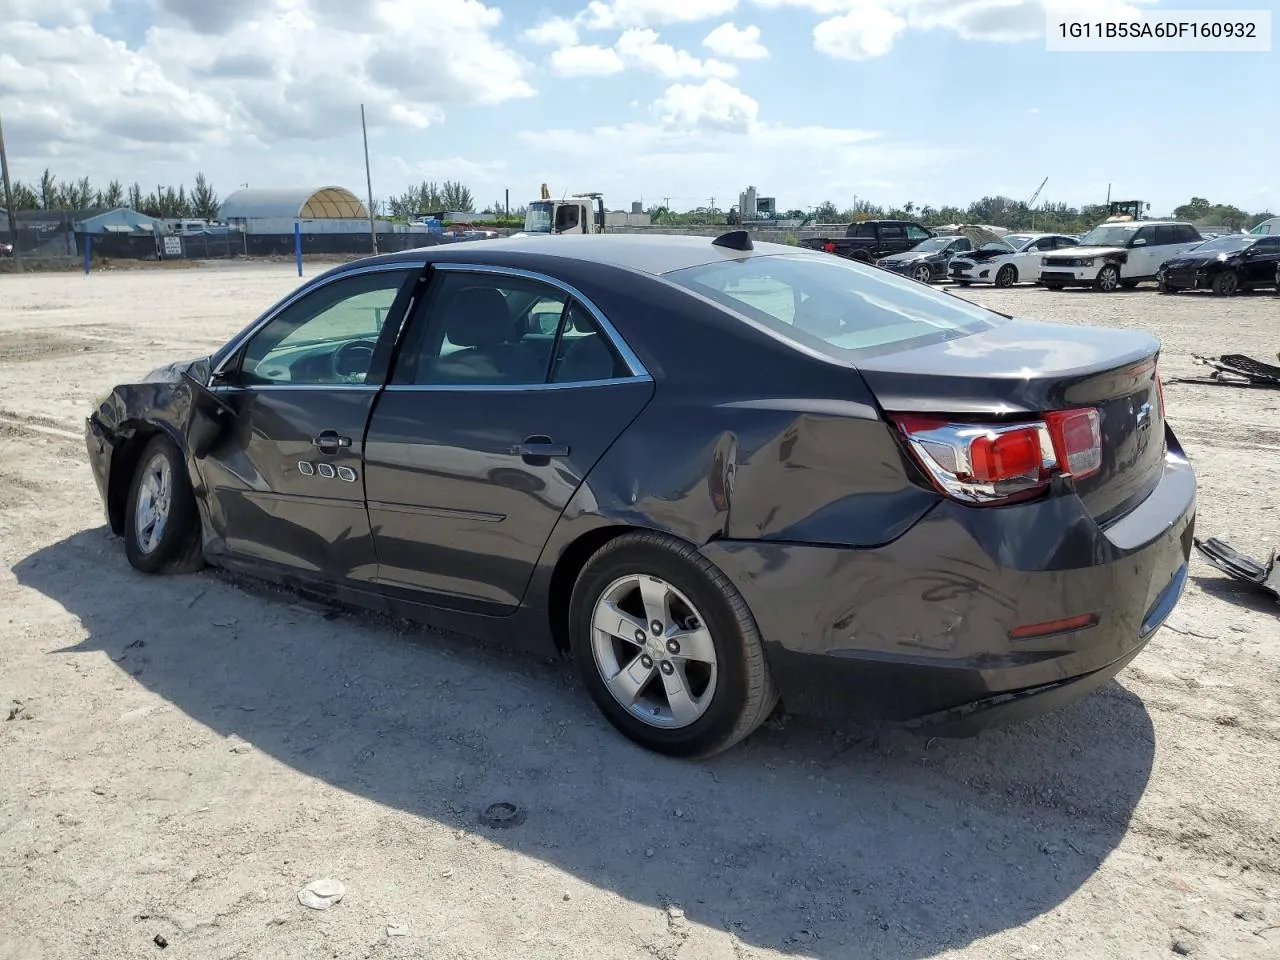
[(368, 180), (507, 202), (8, 201)]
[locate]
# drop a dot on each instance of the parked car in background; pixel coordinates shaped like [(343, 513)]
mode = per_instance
[(1115, 255), (1015, 259), (928, 261), (872, 239), (729, 473), (1225, 265)]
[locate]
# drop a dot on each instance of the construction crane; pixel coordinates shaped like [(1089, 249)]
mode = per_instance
[(1033, 200)]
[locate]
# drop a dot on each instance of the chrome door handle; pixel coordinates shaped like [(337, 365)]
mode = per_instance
[(329, 440)]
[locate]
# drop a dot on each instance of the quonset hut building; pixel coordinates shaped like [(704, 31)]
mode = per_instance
[(333, 220)]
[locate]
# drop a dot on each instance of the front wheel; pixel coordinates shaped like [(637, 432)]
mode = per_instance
[(1108, 279), (1226, 284), (162, 523), (1163, 286), (1006, 276), (923, 274), (667, 648)]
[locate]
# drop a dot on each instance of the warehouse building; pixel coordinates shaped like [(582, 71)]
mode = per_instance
[(321, 210)]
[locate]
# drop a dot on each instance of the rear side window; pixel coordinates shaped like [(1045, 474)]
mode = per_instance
[(1187, 233), (866, 230), (835, 306), (1167, 235), (891, 231)]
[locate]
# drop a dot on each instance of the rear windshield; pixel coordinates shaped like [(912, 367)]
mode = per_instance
[(840, 308)]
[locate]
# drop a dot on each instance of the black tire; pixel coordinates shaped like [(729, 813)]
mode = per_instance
[(1007, 275), (1108, 279), (1163, 287), (179, 548), (744, 692), (1227, 283), (923, 274)]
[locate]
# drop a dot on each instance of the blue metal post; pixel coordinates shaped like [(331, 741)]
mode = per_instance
[(297, 243), (88, 243)]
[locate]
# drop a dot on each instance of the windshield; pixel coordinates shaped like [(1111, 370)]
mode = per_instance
[(538, 218), (835, 306), (932, 244), (1108, 235), (1226, 244), (1019, 240)]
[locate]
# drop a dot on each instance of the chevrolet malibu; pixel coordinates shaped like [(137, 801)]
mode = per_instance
[(713, 474)]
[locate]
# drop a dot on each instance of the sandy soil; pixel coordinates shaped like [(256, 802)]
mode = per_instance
[(183, 755)]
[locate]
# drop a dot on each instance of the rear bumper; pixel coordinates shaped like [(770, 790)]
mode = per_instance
[(921, 629)]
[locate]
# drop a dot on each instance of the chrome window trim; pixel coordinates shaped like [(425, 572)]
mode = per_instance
[(233, 346), (259, 387), (628, 355), (511, 387)]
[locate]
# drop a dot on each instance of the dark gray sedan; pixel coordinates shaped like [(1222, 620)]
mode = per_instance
[(714, 475), (928, 260)]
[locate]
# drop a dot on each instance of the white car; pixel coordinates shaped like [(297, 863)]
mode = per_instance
[(1015, 259), (1114, 255)]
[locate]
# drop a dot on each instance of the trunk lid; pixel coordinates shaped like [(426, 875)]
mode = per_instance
[(1025, 368)]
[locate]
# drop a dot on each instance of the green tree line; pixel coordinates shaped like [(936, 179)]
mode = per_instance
[(201, 202)]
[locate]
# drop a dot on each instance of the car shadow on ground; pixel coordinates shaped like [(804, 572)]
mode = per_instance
[(802, 839)]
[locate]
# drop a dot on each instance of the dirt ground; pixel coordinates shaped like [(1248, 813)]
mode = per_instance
[(183, 755)]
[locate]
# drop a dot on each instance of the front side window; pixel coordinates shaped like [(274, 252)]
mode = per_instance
[(916, 233), (834, 306), (327, 337)]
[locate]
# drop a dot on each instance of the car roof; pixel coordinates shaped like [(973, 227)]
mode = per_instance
[(1148, 223), (654, 254)]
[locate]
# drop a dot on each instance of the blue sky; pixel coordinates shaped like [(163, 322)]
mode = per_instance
[(936, 101)]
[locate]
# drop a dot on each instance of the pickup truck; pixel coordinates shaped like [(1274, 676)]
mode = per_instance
[(871, 239)]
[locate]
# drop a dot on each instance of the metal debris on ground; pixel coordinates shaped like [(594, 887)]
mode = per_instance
[(321, 894), (1240, 567), (1234, 370), (502, 815)]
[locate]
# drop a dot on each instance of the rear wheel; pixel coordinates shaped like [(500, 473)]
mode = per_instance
[(667, 648), (1108, 279), (1227, 283), (162, 524), (923, 274)]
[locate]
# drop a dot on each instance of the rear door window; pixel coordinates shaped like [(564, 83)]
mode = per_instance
[(834, 306), (1166, 235)]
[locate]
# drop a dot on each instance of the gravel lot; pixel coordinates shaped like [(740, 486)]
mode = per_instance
[(182, 755)]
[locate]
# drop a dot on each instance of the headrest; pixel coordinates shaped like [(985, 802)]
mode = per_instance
[(478, 317)]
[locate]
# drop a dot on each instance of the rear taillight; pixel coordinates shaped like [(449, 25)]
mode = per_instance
[(992, 463), (829, 247)]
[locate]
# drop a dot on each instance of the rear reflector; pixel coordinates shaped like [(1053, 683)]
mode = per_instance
[(1050, 627)]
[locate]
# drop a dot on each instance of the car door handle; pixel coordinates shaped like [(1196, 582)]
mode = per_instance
[(540, 448), (329, 441)]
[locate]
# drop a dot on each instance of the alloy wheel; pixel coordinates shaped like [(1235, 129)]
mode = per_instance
[(653, 651), (1109, 279), (924, 274), (155, 493)]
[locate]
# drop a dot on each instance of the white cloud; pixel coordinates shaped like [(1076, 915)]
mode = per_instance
[(586, 61), (250, 71), (858, 36), (52, 11), (861, 29), (640, 48), (728, 41), (556, 32), (620, 14), (712, 104)]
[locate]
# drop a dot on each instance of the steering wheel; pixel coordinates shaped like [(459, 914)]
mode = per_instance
[(352, 359)]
